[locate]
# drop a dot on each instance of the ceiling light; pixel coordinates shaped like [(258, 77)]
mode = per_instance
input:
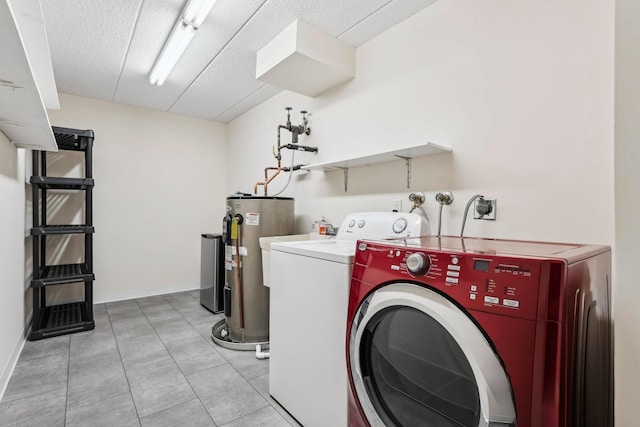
[(196, 11), (193, 15)]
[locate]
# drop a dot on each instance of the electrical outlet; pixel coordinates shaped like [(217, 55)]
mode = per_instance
[(482, 205), (396, 205)]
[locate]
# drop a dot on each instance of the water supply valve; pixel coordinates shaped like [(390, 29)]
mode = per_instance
[(445, 198), (288, 125), (305, 129), (417, 198), (271, 172)]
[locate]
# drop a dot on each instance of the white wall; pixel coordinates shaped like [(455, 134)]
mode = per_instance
[(12, 247), (160, 183), (521, 91), (627, 160)]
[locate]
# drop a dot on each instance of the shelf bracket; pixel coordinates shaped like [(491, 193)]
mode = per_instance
[(345, 171), (407, 162)]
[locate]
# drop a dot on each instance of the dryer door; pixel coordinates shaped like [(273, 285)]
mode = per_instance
[(417, 359)]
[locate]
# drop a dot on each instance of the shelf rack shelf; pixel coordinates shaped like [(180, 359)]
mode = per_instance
[(62, 229), (53, 183), (54, 320), (61, 274), (406, 154)]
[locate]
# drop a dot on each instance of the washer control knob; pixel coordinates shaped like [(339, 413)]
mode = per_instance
[(399, 225), (361, 223), (352, 223), (418, 264)]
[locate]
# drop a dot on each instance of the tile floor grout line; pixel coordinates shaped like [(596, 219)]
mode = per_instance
[(228, 362), (268, 396), (165, 347), (47, 392), (200, 399), (122, 363), (174, 361), (183, 374), (249, 413), (66, 394)]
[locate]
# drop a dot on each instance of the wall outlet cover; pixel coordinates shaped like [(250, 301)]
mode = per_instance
[(491, 216)]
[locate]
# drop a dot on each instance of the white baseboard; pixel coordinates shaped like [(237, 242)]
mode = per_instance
[(104, 297), (13, 360)]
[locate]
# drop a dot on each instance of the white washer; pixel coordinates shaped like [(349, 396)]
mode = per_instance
[(309, 294)]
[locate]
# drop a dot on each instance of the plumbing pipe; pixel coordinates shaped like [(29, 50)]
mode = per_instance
[(277, 150), (445, 198), (418, 199), (261, 354), (421, 209), (291, 169), (278, 157), (267, 179)]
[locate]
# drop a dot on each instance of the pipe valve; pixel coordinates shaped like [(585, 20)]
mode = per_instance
[(445, 198), (296, 130)]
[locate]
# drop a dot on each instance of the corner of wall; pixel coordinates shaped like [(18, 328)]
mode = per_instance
[(12, 244)]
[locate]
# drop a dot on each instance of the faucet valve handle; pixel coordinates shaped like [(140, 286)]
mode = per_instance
[(288, 117), (306, 130)]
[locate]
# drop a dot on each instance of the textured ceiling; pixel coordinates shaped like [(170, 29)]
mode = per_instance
[(104, 49)]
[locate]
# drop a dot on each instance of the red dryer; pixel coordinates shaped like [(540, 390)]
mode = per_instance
[(449, 331)]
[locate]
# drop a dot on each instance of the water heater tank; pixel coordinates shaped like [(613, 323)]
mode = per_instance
[(246, 298)]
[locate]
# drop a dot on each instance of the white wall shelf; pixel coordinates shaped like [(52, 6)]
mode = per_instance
[(23, 117), (406, 154)]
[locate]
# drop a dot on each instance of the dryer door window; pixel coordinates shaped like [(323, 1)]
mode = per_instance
[(417, 359), (415, 373)]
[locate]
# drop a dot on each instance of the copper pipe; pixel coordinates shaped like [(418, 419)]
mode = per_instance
[(267, 179), (300, 129)]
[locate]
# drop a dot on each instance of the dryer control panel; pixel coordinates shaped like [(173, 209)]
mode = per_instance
[(477, 281)]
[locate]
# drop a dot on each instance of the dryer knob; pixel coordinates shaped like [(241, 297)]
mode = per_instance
[(418, 264)]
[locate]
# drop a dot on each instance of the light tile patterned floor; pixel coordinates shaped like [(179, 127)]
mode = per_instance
[(149, 362)]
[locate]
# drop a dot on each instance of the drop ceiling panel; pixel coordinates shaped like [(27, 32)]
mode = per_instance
[(231, 77), (154, 26), (384, 18), (221, 85), (88, 42), (331, 16), (104, 49), (256, 98)]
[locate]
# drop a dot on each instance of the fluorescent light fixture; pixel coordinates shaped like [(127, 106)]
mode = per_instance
[(196, 11), (192, 17)]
